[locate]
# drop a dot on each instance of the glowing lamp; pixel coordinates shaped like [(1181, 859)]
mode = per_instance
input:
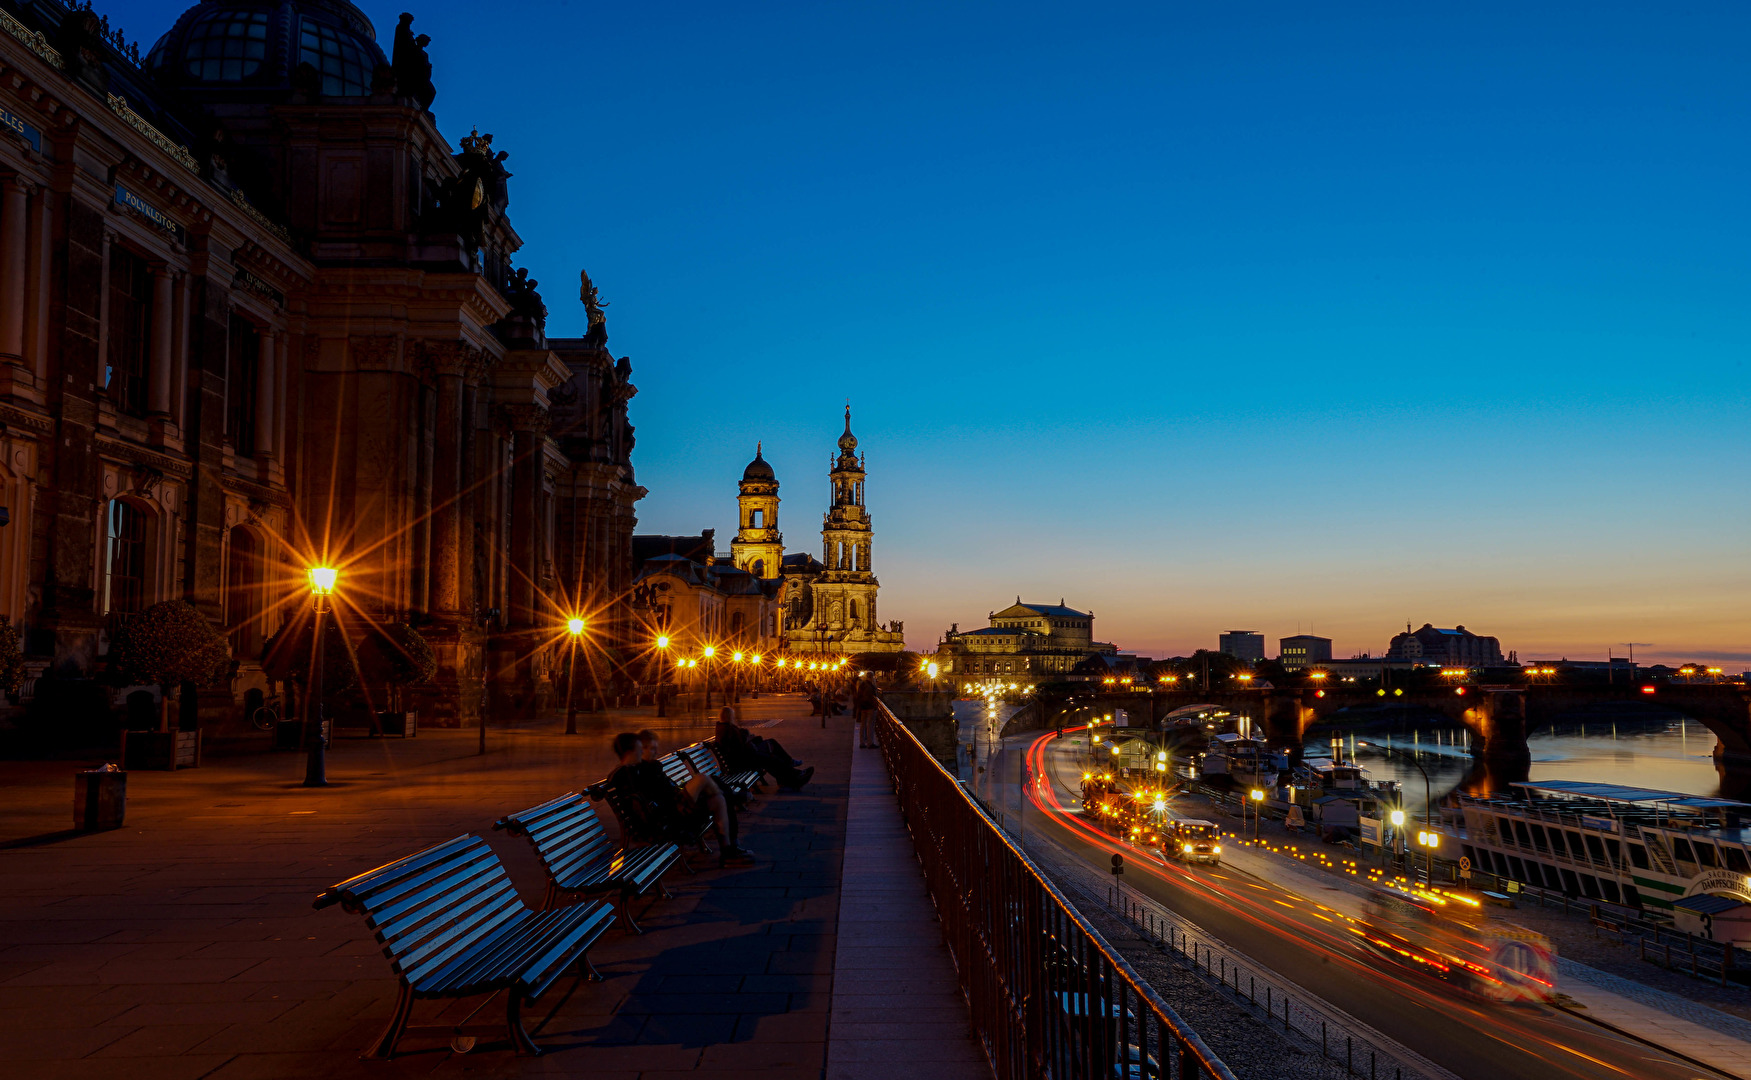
[(574, 627), (709, 652), (662, 641), (322, 579)]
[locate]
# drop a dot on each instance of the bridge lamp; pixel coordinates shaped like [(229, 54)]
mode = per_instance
[(1460, 691), (1257, 795), (1397, 818), (1161, 755)]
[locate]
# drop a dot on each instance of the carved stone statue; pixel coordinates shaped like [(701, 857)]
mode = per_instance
[(597, 334), (413, 68)]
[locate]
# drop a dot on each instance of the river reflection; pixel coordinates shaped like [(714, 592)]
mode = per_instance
[(1675, 755)]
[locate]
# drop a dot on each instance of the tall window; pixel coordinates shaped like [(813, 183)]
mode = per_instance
[(241, 356), (130, 329), (242, 583), (124, 582)]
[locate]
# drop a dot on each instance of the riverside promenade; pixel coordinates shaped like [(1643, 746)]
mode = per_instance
[(185, 945)]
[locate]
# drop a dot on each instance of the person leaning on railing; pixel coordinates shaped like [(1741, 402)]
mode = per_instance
[(665, 809), (742, 750)]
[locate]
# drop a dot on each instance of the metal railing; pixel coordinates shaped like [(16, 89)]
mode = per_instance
[(1048, 996)]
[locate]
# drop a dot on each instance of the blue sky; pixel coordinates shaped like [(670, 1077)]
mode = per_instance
[(1198, 315)]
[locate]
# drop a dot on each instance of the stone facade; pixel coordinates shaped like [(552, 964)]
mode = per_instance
[(1436, 646), (255, 311)]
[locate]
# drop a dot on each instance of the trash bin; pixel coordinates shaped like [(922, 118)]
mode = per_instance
[(100, 798)]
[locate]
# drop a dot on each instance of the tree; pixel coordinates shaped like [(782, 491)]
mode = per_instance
[(169, 644), (286, 656), (1222, 669), (399, 655)]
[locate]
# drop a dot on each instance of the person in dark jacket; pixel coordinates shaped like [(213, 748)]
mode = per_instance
[(743, 750), (863, 705), (665, 807)]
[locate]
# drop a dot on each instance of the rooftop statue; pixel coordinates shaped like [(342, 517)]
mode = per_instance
[(597, 334), (413, 68)]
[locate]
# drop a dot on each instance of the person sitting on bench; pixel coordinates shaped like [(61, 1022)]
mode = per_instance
[(662, 802), (744, 751)]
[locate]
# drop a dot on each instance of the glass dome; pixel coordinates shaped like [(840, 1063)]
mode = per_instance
[(248, 43)]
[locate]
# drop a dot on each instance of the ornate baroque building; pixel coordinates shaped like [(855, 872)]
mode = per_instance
[(830, 606), (1026, 644), (256, 310)]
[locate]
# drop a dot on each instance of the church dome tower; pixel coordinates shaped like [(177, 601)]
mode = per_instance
[(758, 547)]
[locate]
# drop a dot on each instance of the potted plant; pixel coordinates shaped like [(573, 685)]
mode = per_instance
[(176, 647), (401, 657)]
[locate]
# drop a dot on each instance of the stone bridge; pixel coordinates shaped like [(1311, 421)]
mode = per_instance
[(1498, 717)]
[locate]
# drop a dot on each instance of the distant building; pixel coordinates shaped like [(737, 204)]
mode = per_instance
[(1435, 646), (1248, 645), (1303, 650), (710, 602), (1025, 644)]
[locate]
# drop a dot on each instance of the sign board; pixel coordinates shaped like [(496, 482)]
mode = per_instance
[(1513, 886), (1465, 863), (145, 210), (1370, 831), (1118, 863), (12, 122), (1604, 824)]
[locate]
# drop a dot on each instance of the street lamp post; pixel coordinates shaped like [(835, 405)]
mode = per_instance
[(707, 652), (1258, 806), (322, 580), (736, 679), (574, 628), (662, 669)]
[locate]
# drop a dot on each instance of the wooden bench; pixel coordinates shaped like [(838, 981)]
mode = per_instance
[(574, 849), (633, 829), (452, 926), (706, 760)]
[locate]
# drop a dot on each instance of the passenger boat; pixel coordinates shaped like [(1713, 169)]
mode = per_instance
[(1247, 762), (1638, 847)]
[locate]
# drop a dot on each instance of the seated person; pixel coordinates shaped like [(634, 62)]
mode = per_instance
[(702, 790), (663, 808), (745, 751)]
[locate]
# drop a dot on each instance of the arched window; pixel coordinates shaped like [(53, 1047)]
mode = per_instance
[(243, 593), (125, 566), (758, 569), (854, 612), (755, 517)]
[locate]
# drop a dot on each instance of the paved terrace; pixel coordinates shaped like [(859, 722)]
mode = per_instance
[(185, 945)]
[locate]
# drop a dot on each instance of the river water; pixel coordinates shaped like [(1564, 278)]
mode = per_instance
[(1671, 755)]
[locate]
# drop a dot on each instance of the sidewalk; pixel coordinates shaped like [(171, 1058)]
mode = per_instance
[(184, 945), (897, 1009)]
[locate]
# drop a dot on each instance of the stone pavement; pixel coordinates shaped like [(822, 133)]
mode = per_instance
[(897, 1012), (185, 945)]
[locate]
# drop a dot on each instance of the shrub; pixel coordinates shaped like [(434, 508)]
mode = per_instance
[(169, 644), (11, 657)]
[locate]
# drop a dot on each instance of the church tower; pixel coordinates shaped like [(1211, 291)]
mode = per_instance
[(758, 547), (831, 605)]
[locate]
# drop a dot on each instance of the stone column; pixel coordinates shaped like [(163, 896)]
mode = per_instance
[(180, 348), (528, 427), (41, 251), (446, 590), (14, 225), (264, 393), (163, 328)]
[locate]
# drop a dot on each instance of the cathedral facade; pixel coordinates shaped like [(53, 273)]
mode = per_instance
[(257, 312)]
